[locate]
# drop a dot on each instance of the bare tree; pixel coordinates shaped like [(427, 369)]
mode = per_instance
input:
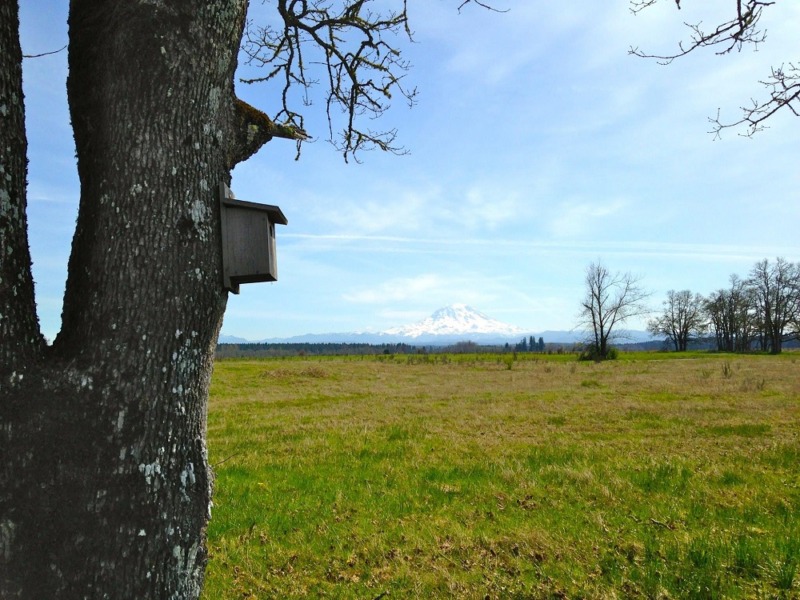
[(105, 486), (682, 319), (741, 28), (611, 299), (732, 316), (776, 293)]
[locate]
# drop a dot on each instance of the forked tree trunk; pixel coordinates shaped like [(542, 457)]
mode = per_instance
[(104, 482)]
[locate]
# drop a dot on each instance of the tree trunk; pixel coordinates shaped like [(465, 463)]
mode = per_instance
[(603, 349), (105, 487), (776, 335), (20, 340)]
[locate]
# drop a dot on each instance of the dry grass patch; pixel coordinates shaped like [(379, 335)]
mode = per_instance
[(462, 477)]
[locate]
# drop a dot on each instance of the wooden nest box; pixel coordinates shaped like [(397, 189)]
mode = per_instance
[(248, 240)]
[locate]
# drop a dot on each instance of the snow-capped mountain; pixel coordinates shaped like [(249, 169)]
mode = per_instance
[(455, 320), (448, 325)]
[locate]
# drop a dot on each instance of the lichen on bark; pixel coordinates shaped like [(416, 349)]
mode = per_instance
[(254, 129)]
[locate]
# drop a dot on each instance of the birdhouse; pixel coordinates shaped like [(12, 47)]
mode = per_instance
[(248, 240)]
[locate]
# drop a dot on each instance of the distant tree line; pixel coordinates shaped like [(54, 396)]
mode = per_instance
[(759, 312), (529, 344), (310, 349), (270, 350)]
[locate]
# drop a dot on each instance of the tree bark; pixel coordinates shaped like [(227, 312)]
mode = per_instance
[(105, 487), (20, 340)]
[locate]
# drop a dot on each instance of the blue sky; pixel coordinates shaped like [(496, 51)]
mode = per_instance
[(537, 146)]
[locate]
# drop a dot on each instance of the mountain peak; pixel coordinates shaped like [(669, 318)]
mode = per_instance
[(456, 319)]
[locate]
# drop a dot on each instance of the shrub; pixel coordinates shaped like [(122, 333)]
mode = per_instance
[(593, 353)]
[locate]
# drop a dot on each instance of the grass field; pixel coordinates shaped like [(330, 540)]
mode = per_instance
[(483, 476)]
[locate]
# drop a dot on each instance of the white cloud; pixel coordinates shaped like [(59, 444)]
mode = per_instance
[(494, 49), (396, 290), (426, 292), (578, 218), (387, 209)]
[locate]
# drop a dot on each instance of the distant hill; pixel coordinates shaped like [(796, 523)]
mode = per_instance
[(446, 326)]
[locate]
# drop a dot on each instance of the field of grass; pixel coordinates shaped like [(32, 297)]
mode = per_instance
[(481, 476)]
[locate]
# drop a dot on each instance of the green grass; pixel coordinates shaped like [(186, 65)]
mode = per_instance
[(469, 476)]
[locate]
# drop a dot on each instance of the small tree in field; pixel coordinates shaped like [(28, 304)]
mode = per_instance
[(610, 300), (682, 319)]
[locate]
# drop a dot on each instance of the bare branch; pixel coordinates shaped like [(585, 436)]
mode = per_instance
[(733, 34), (349, 49), (481, 4), (64, 47), (783, 84)]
